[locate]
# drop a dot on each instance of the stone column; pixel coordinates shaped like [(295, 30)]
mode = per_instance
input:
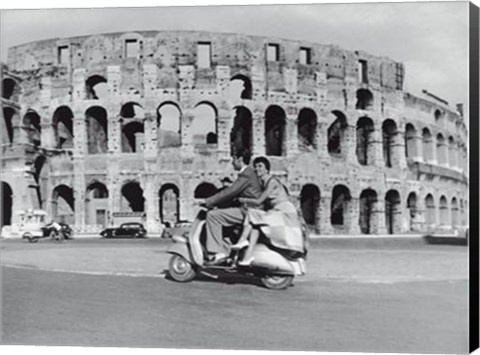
[(418, 147), (258, 136), (291, 133), (187, 136), (351, 143), (377, 149), (399, 149), (79, 191), (152, 223), (352, 216), (223, 131), (378, 216), (150, 135), (325, 212)]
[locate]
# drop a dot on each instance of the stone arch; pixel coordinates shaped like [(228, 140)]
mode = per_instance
[(454, 208), (439, 116), (427, 143), (7, 130), (368, 206), (412, 210), (275, 122), (132, 199), (9, 88), (390, 132), (96, 87), (442, 157), (240, 87), (96, 204), (430, 215), (340, 213), (337, 133), (63, 127), (410, 141), (242, 130), (204, 126), (169, 125), (169, 201), (31, 122), (63, 204), (393, 212), (97, 130), (364, 99), (7, 204), (133, 133), (132, 110), (307, 129), (310, 205), (444, 215), (452, 152), (365, 141), (205, 190)]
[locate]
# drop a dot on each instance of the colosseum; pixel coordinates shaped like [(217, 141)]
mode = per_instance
[(138, 125)]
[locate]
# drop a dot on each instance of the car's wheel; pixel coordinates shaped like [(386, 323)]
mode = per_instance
[(180, 269), (30, 237), (276, 282)]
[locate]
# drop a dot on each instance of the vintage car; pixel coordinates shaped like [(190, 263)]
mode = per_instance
[(126, 230)]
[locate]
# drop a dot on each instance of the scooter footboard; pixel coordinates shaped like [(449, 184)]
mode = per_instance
[(265, 258)]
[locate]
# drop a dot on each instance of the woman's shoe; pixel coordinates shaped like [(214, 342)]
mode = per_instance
[(246, 262), (240, 245)]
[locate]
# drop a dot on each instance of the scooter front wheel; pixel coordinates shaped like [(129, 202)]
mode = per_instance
[(180, 269), (277, 282)]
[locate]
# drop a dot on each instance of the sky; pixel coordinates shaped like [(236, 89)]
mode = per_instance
[(431, 39)]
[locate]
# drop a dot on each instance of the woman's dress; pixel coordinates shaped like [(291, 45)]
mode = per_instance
[(280, 221)]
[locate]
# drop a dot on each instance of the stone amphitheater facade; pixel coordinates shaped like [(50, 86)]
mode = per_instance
[(140, 124)]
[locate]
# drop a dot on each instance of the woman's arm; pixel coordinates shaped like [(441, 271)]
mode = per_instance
[(264, 195)]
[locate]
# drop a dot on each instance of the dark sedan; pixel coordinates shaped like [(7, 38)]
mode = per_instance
[(126, 230)]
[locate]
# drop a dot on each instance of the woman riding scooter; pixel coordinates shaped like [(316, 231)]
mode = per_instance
[(279, 222)]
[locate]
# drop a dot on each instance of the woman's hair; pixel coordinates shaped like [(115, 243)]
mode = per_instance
[(262, 160)]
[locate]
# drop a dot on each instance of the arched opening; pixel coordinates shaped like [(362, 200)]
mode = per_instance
[(410, 141), (96, 87), (340, 207), (240, 87), (133, 137), (40, 178), (63, 127), (63, 205), (307, 129), (275, 121), (241, 133), (368, 203), (204, 124), (132, 199), (444, 217), (337, 135), (427, 145), (96, 204), (205, 190), (452, 152), (389, 130), (168, 125), (441, 149), (7, 203), (7, 130), (310, 205), (430, 217), (169, 196), (365, 143), (364, 99), (438, 116), (392, 212), (8, 87), (97, 130), (132, 110), (31, 122), (412, 209), (455, 219)]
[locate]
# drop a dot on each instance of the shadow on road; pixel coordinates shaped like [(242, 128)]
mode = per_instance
[(219, 276)]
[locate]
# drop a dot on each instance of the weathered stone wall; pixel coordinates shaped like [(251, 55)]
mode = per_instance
[(58, 75)]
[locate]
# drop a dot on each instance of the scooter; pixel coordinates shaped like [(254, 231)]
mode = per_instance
[(188, 258)]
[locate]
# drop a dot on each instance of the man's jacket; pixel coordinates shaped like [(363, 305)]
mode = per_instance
[(246, 185)]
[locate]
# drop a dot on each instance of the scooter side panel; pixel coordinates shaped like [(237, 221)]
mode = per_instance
[(181, 249), (265, 258)]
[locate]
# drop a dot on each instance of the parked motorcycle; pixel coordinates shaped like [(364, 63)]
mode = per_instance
[(188, 258)]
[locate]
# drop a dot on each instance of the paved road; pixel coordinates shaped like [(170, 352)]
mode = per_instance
[(401, 300)]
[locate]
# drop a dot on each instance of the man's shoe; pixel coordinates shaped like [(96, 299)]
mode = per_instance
[(218, 259)]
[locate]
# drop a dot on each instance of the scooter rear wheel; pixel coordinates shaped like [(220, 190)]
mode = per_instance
[(180, 269), (277, 282)]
